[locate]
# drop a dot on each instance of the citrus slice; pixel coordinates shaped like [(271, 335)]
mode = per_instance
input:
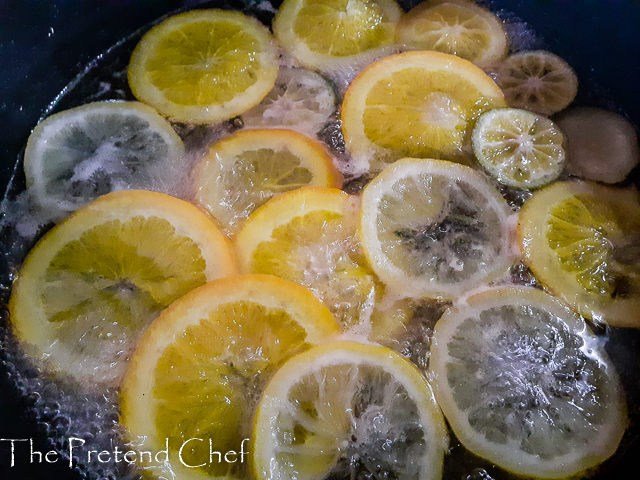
[(331, 34), (243, 171), (300, 99), (416, 104), (348, 410), (538, 81), (204, 66), (525, 384), (602, 145), (434, 228), (74, 156), (519, 148), (308, 236), (457, 28), (582, 241), (95, 281), (198, 371)]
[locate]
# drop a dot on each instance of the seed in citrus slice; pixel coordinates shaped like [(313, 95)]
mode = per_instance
[(331, 34), (519, 148), (434, 228), (204, 66), (348, 410), (94, 282), (458, 28), (602, 145), (199, 369), (243, 171), (526, 385), (301, 99), (416, 104), (74, 156), (582, 241), (538, 81), (308, 236)]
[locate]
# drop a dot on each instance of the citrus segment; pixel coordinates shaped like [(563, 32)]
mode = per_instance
[(519, 148), (199, 369), (330, 34), (582, 241), (417, 104), (74, 156), (204, 66), (526, 385), (95, 281), (458, 28), (348, 410), (434, 228), (243, 171)]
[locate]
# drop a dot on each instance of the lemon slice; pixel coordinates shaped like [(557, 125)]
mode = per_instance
[(95, 281), (538, 81), (243, 171), (434, 228), (519, 148), (204, 66), (308, 236), (526, 385), (301, 99), (582, 241), (416, 104), (331, 34), (199, 369), (462, 29), (348, 410), (74, 156)]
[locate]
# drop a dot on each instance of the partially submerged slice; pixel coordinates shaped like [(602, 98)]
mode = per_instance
[(204, 66), (348, 410), (526, 385), (74, 156), (94, 282), (243, 171), (200, 368), (434, 228), (582, 241)]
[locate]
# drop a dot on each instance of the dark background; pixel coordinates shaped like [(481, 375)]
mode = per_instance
[(44, 44)]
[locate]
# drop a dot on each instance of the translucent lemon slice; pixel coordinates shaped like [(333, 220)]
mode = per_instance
[(459, 28), (243, 171), (416, 104), (519, 148), (434, 228), (331, 34), (198, 371), (538, 81), (526, 385), (204, 66), (348, 410), (582, 241), (94, 282), (74, 156)]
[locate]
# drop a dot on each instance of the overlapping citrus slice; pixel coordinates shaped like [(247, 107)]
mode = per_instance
[(459, 28), (416, 104), (204, 66), (198, 371), (74, 156), (526, 385), (435, 228), (582, 241), (94, 282), (308, 236), (348, 410), (243, 171), (331, 34)]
